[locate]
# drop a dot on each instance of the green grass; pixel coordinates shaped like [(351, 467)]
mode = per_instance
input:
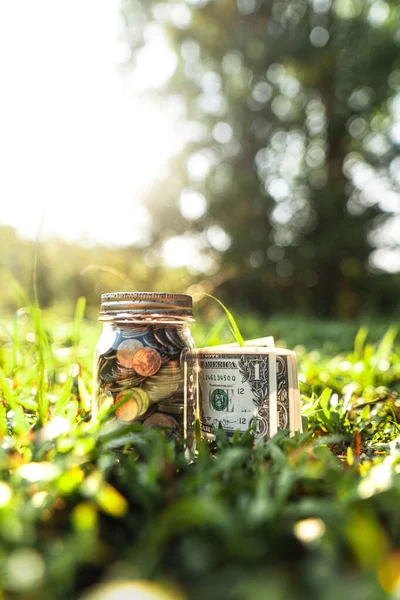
[(313, 516)]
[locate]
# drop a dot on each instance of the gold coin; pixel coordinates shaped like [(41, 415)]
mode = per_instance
[(146, 362), (126, 352), (129, 410), (142, 400)]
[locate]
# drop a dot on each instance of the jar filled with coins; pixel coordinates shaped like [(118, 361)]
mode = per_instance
[(141, 365)]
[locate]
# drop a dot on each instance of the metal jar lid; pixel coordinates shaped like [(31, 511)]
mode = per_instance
[(120, 304)]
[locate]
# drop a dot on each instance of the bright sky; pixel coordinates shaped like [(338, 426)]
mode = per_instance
[(77, 145)]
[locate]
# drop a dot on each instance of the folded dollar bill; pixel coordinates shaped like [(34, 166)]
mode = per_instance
[(242, 386)]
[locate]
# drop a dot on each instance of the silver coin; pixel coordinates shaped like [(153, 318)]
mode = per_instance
[(175, 339), (127, 350), (106, 342), (134, 331), (171, 408), (161, 337)]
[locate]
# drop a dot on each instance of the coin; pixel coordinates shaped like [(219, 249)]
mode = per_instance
[(127, 350), (156, 395), (106, 342), (160, 420), (162, 339), (164, 383), (169, 372), (133, 332), (128, 377), (149, 411), (106, 370), (168, 376), (142, 400), (140, 366), (150, 341), (175, 338), (177, 415), (146, 362), (124, 384), (172, 367), (129, 410), (176, 409), (105, 397)]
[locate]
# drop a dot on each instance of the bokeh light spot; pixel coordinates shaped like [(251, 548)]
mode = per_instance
[(262, 92), (5, 494), (192, 204), (218, 238), (132, 590), (309, 530), (378, 13), (278, 189), (321, 6), (198, 165), (246, 7), (275, 253), (319, 37), (284, 268), (222, 132), (276, 73), (24, 570), (256, 259), (180, 15)]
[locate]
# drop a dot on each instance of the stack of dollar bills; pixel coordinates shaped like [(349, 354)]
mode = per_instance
[(255, 385)]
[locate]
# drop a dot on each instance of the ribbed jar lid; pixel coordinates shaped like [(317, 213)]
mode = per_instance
[(137, 303)]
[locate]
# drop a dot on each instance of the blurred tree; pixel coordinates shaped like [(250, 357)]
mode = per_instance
[(290, 168), (66, 271)]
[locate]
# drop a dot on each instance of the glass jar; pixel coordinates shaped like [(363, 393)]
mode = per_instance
[(141, 366)]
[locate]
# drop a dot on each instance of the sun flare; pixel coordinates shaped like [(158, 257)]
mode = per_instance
[(78, 145)]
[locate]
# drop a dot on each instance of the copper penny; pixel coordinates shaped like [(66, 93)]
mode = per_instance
[(146, 362), (129, 410)]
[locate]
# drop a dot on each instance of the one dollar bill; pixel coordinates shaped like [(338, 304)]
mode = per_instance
[(251, 386)]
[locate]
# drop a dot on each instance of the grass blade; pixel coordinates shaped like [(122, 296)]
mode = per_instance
[(6, 391), (15, 345), (3, 420), (78, 319), (112, 271), (65, 395), (214, 335), (359, 343), (232, 323), (385, 347), (42, 350)]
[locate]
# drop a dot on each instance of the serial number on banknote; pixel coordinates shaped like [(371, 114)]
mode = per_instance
[(210, 377)]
